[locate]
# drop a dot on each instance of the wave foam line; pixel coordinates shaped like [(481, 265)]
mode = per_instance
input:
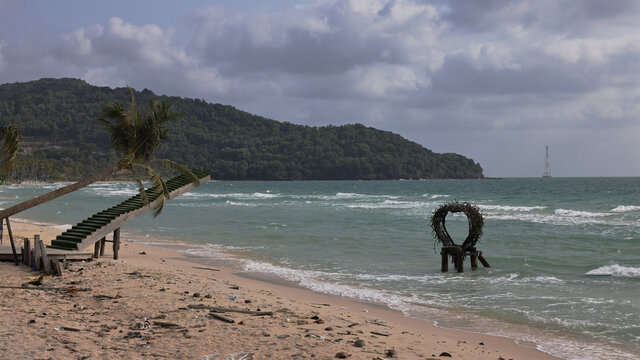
[(616, 270), (625, 208)]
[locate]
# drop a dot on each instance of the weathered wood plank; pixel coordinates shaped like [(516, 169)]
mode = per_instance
[(46, 262)]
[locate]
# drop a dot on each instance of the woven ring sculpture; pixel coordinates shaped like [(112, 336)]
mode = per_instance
[(473, 216)]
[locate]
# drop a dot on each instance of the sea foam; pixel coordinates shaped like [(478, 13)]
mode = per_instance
[(625, 208), (616, 270)]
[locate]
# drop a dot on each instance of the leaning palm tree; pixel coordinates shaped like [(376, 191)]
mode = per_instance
[(136, 135)]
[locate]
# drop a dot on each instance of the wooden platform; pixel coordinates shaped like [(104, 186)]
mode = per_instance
[(7, 255)]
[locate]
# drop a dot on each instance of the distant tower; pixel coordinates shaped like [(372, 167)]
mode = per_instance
[(547, 169)]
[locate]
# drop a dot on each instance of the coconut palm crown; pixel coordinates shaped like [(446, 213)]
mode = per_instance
[(137, 136)]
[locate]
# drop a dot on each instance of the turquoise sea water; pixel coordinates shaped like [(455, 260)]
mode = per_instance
[(565, 253)]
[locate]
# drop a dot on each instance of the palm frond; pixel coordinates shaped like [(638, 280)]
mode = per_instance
[(141, 189), (180, 168), (159, 188), (10, 142)]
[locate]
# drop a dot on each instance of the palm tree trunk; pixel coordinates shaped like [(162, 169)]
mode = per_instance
[(57, 193)]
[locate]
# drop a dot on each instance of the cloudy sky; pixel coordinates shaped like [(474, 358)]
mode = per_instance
[(493, 80)]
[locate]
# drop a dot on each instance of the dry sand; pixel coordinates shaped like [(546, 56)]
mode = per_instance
[(153, 303)]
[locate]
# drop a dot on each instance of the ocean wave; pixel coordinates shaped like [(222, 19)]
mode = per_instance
[(115, 192), (239, 196), (511, 208), (235, 203), (555, 219), (312, 279), (387, 204), (616, 270), (515, 279), (436, 196), (575, 213), (625, 208)]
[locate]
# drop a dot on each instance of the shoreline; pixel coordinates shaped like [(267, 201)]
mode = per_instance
[(410, 337)]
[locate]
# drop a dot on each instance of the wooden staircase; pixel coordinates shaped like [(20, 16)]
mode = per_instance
[(96, 227)]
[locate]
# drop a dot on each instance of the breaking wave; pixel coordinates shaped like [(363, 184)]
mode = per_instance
[(616, 270)]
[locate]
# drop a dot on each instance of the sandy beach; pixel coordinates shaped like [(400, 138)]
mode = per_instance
[(154, 303)]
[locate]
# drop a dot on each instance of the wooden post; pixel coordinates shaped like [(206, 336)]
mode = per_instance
[(102, 242), (27, 251), (459, 260), (46, 263), (13, 245), (37, 258), (445, 259), (484, 262), (116, 243), (57, 269), (96, 249), (474, 260)]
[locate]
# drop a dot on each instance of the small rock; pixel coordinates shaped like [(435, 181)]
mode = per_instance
[(391, 353), (142, 253), (32, 321), (208, 296), (240, 356), (247, 301), (481, 344), (264, 333), (445, 354), (315, 317), (196, 295), (301, 322), (319, 321), (341, 355), (328, 328), (359, 343)]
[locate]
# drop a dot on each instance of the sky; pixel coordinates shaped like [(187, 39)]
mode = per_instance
[(494, 80)]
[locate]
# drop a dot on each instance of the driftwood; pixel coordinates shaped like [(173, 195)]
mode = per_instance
[(167, 325), (107, 297), (205, 268), (379, 333), (221, 318), (224, 310)]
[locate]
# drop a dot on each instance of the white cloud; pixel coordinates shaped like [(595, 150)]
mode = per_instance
[(480, 69)]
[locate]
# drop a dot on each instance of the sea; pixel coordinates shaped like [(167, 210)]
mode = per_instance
[(564, 252)]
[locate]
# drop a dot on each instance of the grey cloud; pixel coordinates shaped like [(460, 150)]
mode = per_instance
[(459, 76)]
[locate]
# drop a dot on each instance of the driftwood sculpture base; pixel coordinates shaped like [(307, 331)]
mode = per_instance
[(457, 258)]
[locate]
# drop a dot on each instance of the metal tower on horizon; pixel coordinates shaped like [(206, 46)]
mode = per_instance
[(547, 169)]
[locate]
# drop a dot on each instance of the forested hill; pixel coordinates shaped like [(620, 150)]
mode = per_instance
[(63, 141)]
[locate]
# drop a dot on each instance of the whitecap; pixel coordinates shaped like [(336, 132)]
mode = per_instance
[(625, 208), (616, 270), (235, 203), (574, 213), (511, 208), (437, 196)]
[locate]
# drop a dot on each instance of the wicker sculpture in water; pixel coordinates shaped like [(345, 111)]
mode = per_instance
[(468, 247)]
